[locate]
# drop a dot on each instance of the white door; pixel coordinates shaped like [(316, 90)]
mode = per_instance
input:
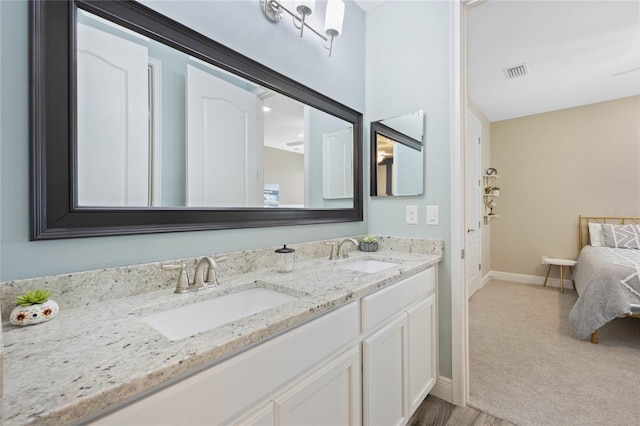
[(222, 143), (422, 350), (113, 134), (330, 396), (385, 375), (337, 164), (474, 204)]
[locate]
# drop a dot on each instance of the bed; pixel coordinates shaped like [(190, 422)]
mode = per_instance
[(607, 275)]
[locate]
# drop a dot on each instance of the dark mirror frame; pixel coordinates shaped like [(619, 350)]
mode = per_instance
[(54, 210), (377, 128)]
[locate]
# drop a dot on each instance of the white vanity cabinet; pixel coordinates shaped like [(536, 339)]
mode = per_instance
[(399, 349), (277, 371), (370, 362), (330, 395)]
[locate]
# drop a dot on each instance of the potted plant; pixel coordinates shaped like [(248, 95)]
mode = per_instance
[(368, 244), (33, 307)]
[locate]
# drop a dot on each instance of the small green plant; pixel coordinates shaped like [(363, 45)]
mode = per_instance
[(33, 297), (369, 239)]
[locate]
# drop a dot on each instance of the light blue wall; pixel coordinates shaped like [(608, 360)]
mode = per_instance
[(407, 60), (239, 25), (408, 69)]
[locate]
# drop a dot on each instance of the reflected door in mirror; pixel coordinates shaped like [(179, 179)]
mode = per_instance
[(113, 131), (337, 160), (222, 143)]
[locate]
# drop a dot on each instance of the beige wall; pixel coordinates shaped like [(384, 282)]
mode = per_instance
[(485, 163), (287, 169), (555, 166)]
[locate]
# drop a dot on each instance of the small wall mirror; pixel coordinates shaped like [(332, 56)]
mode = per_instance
[(397, 155)]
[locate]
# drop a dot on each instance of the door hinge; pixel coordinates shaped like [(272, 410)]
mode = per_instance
[(462, 254), (478, 140), (479, 266)]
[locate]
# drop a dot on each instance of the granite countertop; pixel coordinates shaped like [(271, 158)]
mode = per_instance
[(93, 356)]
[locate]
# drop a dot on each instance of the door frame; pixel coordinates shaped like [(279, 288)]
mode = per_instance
[(477, 159), (459, 299)]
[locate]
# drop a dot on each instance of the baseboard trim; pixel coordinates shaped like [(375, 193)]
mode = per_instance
[(485, 279), (529, 279), (443, 389)]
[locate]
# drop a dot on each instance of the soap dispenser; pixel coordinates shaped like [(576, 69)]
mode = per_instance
[(285, 259)]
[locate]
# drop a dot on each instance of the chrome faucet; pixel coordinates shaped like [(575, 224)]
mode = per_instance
[(199, 281), (340, 254)]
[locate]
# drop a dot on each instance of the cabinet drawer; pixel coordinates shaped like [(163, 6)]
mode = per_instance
[(383, 304), (224, 390)]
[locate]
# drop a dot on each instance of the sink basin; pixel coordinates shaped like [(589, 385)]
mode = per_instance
[(369, 266), (185, 321)]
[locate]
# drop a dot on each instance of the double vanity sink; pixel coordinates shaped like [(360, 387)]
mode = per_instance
[(208, 314), (96, 356), (216, 311)]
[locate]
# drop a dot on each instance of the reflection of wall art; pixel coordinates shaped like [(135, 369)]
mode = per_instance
[(271, 195)]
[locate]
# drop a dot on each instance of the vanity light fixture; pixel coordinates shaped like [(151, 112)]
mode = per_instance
[(273, 10)]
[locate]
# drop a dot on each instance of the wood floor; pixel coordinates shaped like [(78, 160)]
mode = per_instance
[(437, 412)]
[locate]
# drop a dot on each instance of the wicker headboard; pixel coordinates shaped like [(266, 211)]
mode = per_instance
[(583, 225)]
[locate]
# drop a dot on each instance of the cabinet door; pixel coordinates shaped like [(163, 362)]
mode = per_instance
[(422, 350), (261, 416), (385, 375), (329, 396)]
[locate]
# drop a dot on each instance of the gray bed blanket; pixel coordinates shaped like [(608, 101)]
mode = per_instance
[(608, 284)]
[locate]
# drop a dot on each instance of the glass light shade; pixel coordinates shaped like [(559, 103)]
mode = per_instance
[(335, 17), (305, 7)]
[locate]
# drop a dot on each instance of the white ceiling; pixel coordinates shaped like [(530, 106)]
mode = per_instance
[(367, 5), (283, 123), (577, 53)]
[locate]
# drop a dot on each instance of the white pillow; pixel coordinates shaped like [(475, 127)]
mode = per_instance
[(595, 235)]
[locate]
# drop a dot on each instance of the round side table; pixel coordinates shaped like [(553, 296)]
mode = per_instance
[(561, 263)]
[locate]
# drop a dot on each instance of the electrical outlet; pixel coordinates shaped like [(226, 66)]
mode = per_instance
[(543, 259), (412, 215)]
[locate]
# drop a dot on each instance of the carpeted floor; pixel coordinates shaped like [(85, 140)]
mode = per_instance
[(528, 367)]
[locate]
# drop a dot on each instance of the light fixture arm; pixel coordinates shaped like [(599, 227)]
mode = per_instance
[(273, 10)]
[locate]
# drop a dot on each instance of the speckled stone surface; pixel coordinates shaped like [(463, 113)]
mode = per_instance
[(98, 352)]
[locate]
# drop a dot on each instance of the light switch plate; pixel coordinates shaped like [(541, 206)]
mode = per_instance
[(412, 215), (432, 215)]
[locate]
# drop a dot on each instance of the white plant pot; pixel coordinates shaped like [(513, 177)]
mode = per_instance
[(34, 314)]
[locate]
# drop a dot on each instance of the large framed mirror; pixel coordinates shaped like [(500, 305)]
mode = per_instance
[(397, 155), (141, 125)]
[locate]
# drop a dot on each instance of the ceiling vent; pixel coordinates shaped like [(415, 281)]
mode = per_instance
[(516, 71)]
